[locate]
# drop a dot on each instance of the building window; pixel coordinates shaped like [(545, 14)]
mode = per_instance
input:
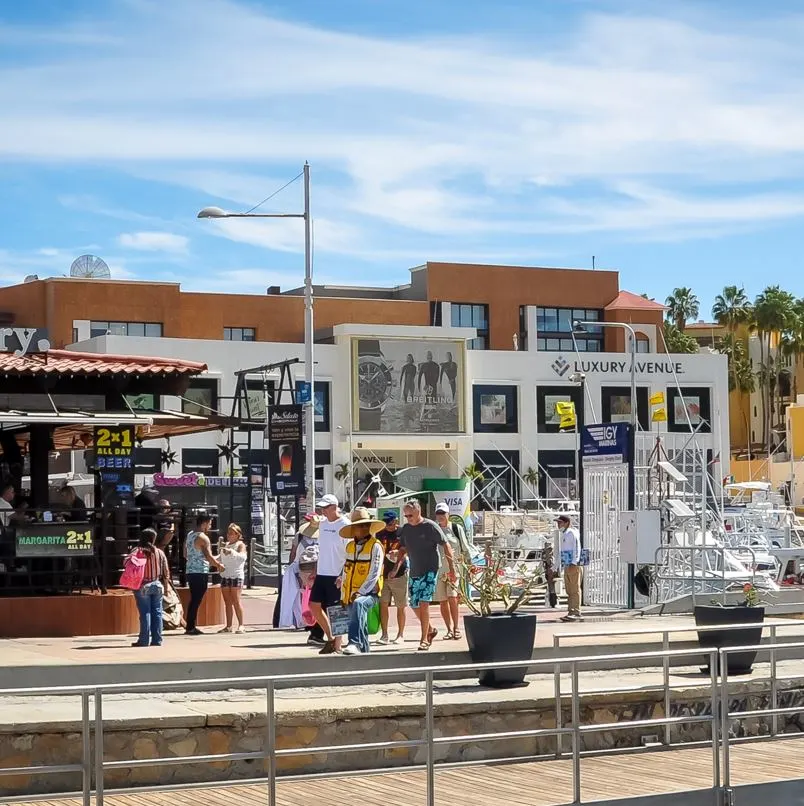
[(689, 406), (75, 335), (500, 485), (642, 343), (125, 329), (144, 402), (466, 314), (556, 471), (435, 314), (523, 327), (200, 460), (554, 328), (495, 409), (239, 334), (616, 405), (201, 397), (147, 460), (546, 399)]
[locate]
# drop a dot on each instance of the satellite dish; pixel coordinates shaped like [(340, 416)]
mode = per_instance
[(31, 278), (89, 266)]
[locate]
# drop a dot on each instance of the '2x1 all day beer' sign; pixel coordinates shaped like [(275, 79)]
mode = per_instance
[(114, 459)]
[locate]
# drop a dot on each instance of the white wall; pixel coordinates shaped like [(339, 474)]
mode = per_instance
[(526, 370)]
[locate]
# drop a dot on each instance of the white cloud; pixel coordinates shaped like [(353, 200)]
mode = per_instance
[(154, 241), (463, 138)]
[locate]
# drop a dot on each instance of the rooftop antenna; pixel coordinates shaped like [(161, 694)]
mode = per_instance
[(593, 262), (90, 267)]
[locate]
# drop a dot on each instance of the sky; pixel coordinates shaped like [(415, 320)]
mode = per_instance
[(665, 139)]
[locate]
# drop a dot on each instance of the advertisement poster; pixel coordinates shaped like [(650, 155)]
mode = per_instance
[(53, 540), (408, 386), (493, 410), (458, 503), (114, 461), (551, 416), (286, 451), (693, 405)]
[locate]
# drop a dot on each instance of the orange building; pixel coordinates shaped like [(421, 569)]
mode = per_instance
[(495, 299)]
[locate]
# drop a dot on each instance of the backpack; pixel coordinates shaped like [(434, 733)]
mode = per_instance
[(134, 570)]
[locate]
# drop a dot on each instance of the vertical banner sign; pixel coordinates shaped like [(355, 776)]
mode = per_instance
[(114, 460), (286, 451)]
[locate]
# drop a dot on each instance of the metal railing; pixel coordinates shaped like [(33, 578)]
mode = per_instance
[(96, 762), (702, 577), (666, 632)]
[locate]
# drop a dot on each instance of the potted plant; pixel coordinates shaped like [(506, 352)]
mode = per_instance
[(749, 611), (495, 631)]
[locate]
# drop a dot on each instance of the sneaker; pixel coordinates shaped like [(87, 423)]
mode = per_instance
[(313, 641), (384, 640), (225, 629), (351, 649), (240, 630), (328, 648), (398, 640)]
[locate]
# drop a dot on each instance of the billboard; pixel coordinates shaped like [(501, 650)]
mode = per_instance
[(408, 386), (286, 451)]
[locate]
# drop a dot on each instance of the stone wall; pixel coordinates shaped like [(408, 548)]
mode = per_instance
[(245, 732)]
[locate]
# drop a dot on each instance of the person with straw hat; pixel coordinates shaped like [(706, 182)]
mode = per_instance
[(361, 581)]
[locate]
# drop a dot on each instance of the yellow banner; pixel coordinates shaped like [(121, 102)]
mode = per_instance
[(659, 416), (657, 399), (568, 421), (565, 408)]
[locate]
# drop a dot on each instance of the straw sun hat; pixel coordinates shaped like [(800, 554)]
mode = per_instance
[(360, 516), (310, 527)]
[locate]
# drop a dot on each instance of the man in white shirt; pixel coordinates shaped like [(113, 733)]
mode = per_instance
[(571, 562), (331, 557)]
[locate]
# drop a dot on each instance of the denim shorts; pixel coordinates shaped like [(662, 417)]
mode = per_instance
[(422, 589)]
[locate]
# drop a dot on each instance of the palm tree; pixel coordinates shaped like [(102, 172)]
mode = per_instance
[(474, 474), (531, 479), (682, 305), (677, 341), (774, 313), (342, 473), (732, 308), (792, 343)]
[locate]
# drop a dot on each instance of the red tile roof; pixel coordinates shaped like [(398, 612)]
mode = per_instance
[(634, 302), (68, 362)]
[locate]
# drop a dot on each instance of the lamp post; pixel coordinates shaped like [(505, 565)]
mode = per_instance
[(309, 373), (580, 327)]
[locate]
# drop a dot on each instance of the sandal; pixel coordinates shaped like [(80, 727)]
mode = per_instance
[(423, 646), (449, 636), (456, 636), (431, 635)]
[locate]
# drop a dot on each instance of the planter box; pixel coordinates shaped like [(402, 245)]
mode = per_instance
[(710, 615), (501, 638)]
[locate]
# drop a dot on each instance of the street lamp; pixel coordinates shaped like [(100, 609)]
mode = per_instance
[(579, 328), (309, 374)]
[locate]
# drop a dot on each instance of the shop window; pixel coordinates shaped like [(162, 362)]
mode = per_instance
[(500, 484), (689, 406), (616, 405), (495, 409), (201, 397), (557, 474), (546, 399)]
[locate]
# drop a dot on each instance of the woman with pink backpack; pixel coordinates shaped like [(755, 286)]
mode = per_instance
[(146, 573)]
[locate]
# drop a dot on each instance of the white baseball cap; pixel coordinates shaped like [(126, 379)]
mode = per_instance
[(442, 507), (327, 501)]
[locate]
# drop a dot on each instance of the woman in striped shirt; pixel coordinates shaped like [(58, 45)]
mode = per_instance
[(149, 596)]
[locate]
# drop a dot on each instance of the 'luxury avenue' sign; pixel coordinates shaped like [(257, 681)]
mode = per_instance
[(606, 366)]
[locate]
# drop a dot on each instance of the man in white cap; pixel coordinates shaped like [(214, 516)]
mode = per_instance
[(331, 557), (571, 562)]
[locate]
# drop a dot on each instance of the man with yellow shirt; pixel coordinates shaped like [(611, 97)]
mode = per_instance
[(361, 580)]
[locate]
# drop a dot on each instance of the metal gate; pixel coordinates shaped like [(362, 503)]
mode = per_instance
[(605, 496)]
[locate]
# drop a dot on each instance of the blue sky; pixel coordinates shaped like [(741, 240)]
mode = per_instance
[(670, 147)]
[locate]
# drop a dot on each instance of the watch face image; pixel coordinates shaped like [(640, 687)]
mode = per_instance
[(374, 382)]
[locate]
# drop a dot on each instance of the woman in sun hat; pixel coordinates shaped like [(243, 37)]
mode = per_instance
[(361, 580)]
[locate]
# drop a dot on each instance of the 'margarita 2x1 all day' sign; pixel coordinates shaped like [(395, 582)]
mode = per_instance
[(54, 540)]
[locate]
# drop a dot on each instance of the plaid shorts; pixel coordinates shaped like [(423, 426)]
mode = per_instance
[(231, 583), (422, 589)]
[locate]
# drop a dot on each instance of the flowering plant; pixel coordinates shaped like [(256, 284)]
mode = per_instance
[(751, 595), (495, 583)]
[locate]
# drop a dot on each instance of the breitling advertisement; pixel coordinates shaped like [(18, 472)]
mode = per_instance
[(408, 386)]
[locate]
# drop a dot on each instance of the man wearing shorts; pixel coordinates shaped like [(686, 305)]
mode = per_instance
[(420, 540), (331, 558), (395, 579)]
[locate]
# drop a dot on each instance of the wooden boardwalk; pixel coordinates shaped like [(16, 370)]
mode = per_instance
[(545, 783)]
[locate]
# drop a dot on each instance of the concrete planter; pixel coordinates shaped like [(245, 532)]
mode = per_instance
[(501, 637), (711, 615)]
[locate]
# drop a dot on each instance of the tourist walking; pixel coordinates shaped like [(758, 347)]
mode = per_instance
[(361, 581), (420, 540), (199, 559), (331, 557), (446, 593), (233, 556), (155, 580), (395, 580), (571, 562)]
